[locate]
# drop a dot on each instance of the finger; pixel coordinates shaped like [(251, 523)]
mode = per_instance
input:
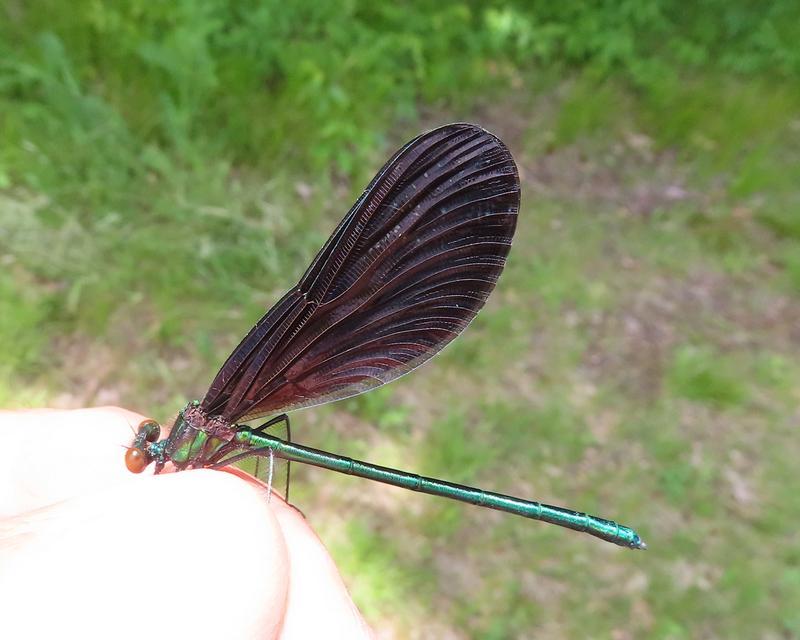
[(189, 555), (319, 605), (61, 454)]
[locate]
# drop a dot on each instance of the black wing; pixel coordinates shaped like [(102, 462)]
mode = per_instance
[(402, 275)]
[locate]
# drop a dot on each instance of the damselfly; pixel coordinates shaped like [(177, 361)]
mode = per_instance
[(402, 275)]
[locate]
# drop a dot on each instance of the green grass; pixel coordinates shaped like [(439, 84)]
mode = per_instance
[(160, 186), (704, 376)]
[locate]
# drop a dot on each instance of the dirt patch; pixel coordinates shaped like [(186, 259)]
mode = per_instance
[(633, 343), (618, 178)]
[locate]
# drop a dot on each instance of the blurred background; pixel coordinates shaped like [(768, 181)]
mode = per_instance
[(167, 171)]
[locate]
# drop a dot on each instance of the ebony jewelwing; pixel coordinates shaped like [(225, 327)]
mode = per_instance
[(402, 275)]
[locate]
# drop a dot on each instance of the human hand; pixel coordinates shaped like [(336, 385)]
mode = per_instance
[(89, 550)]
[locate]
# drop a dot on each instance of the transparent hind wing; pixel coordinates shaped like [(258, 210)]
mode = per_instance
[(259, 465), (281, 469)]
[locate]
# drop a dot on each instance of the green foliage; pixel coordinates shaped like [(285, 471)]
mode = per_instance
[(25, 330), (105, 93), (454, 445), (590, 108), (377, 409), (23, 309), (381, 583), (791, 263), (784, 222), (700, 374)]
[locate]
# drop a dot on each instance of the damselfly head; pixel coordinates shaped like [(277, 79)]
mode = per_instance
[(137, 459), (138, 456), (149, 430)]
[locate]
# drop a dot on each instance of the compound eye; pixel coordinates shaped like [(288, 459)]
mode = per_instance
[(150, 429), (136, 460)]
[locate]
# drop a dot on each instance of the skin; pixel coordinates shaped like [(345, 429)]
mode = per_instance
[(89, 549)]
